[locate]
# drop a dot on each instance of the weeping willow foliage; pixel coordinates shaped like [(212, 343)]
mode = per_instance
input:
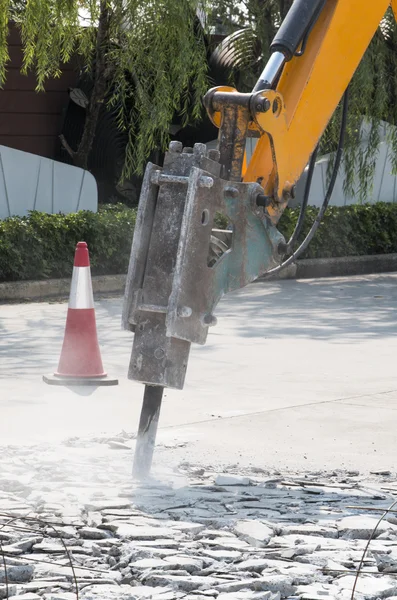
[(372, 91), (165, 54), (152, 56), (372, 112), (154, 65)]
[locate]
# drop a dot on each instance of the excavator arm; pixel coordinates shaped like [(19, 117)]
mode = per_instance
[(181, 264), (292, 115)]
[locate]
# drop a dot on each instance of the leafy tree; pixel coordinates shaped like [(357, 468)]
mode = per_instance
[(146, 59)]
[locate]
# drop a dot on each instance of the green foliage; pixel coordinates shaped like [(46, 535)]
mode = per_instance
[(156, 66), (166, 56), (354, 230), (4, 20), (155, 58), (41, 246)]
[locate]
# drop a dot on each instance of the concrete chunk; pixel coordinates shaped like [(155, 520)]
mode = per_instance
[(189, 564), (92, 533), (148, 563), (222, 555), (361, 528), (12, 589), (270, 583), (370, 588), (104, 592), (249, 595), (254, 532), (135, 532), (186, 584), (17, 574), (28, 596), (225, 480), (60, 596)]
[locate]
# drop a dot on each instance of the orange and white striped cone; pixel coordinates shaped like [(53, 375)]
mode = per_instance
[(80, 362)]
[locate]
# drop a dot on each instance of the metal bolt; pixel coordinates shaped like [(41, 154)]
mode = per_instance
[(262, 200), (262, 105), (214, 154), (175, 146), (288, 193), (231, 191), (188, 150), (200, 149), (205, 182), (276, 105), (205, 217), (184, 311), (282, 248), (155, 178), (159, 353), (209, 320), (158, 178)]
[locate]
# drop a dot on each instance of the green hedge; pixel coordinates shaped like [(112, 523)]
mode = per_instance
[(347, 231), (41, 246)]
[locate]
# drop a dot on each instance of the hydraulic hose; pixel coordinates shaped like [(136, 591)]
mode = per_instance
[(327, 197), (305, 200)]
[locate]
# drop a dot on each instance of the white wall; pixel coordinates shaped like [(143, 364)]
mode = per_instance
[(30, 182), (384, 183), (384, 186)]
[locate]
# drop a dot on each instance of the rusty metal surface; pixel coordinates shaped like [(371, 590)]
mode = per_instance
[(140, 247), (181, 265), (232, 140), (233, 121), (198, 287), (158, 358), (147, 431)]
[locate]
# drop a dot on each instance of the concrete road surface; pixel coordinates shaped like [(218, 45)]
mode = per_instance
[(298, 374)]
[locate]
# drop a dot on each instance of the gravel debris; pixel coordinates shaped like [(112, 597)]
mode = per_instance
[(192, 534)]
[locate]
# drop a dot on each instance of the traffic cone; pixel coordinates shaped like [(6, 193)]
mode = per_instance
[(80, 362)]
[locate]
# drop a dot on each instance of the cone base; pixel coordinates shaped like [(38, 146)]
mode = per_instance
[(75, 381)]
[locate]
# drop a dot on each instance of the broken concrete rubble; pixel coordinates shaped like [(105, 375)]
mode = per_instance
[(229, 536)]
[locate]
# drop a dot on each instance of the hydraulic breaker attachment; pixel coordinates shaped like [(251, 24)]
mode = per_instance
[(182, 264), (158, 357)]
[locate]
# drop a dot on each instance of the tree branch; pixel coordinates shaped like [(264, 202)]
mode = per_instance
[(65, 144), (99, 90)]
